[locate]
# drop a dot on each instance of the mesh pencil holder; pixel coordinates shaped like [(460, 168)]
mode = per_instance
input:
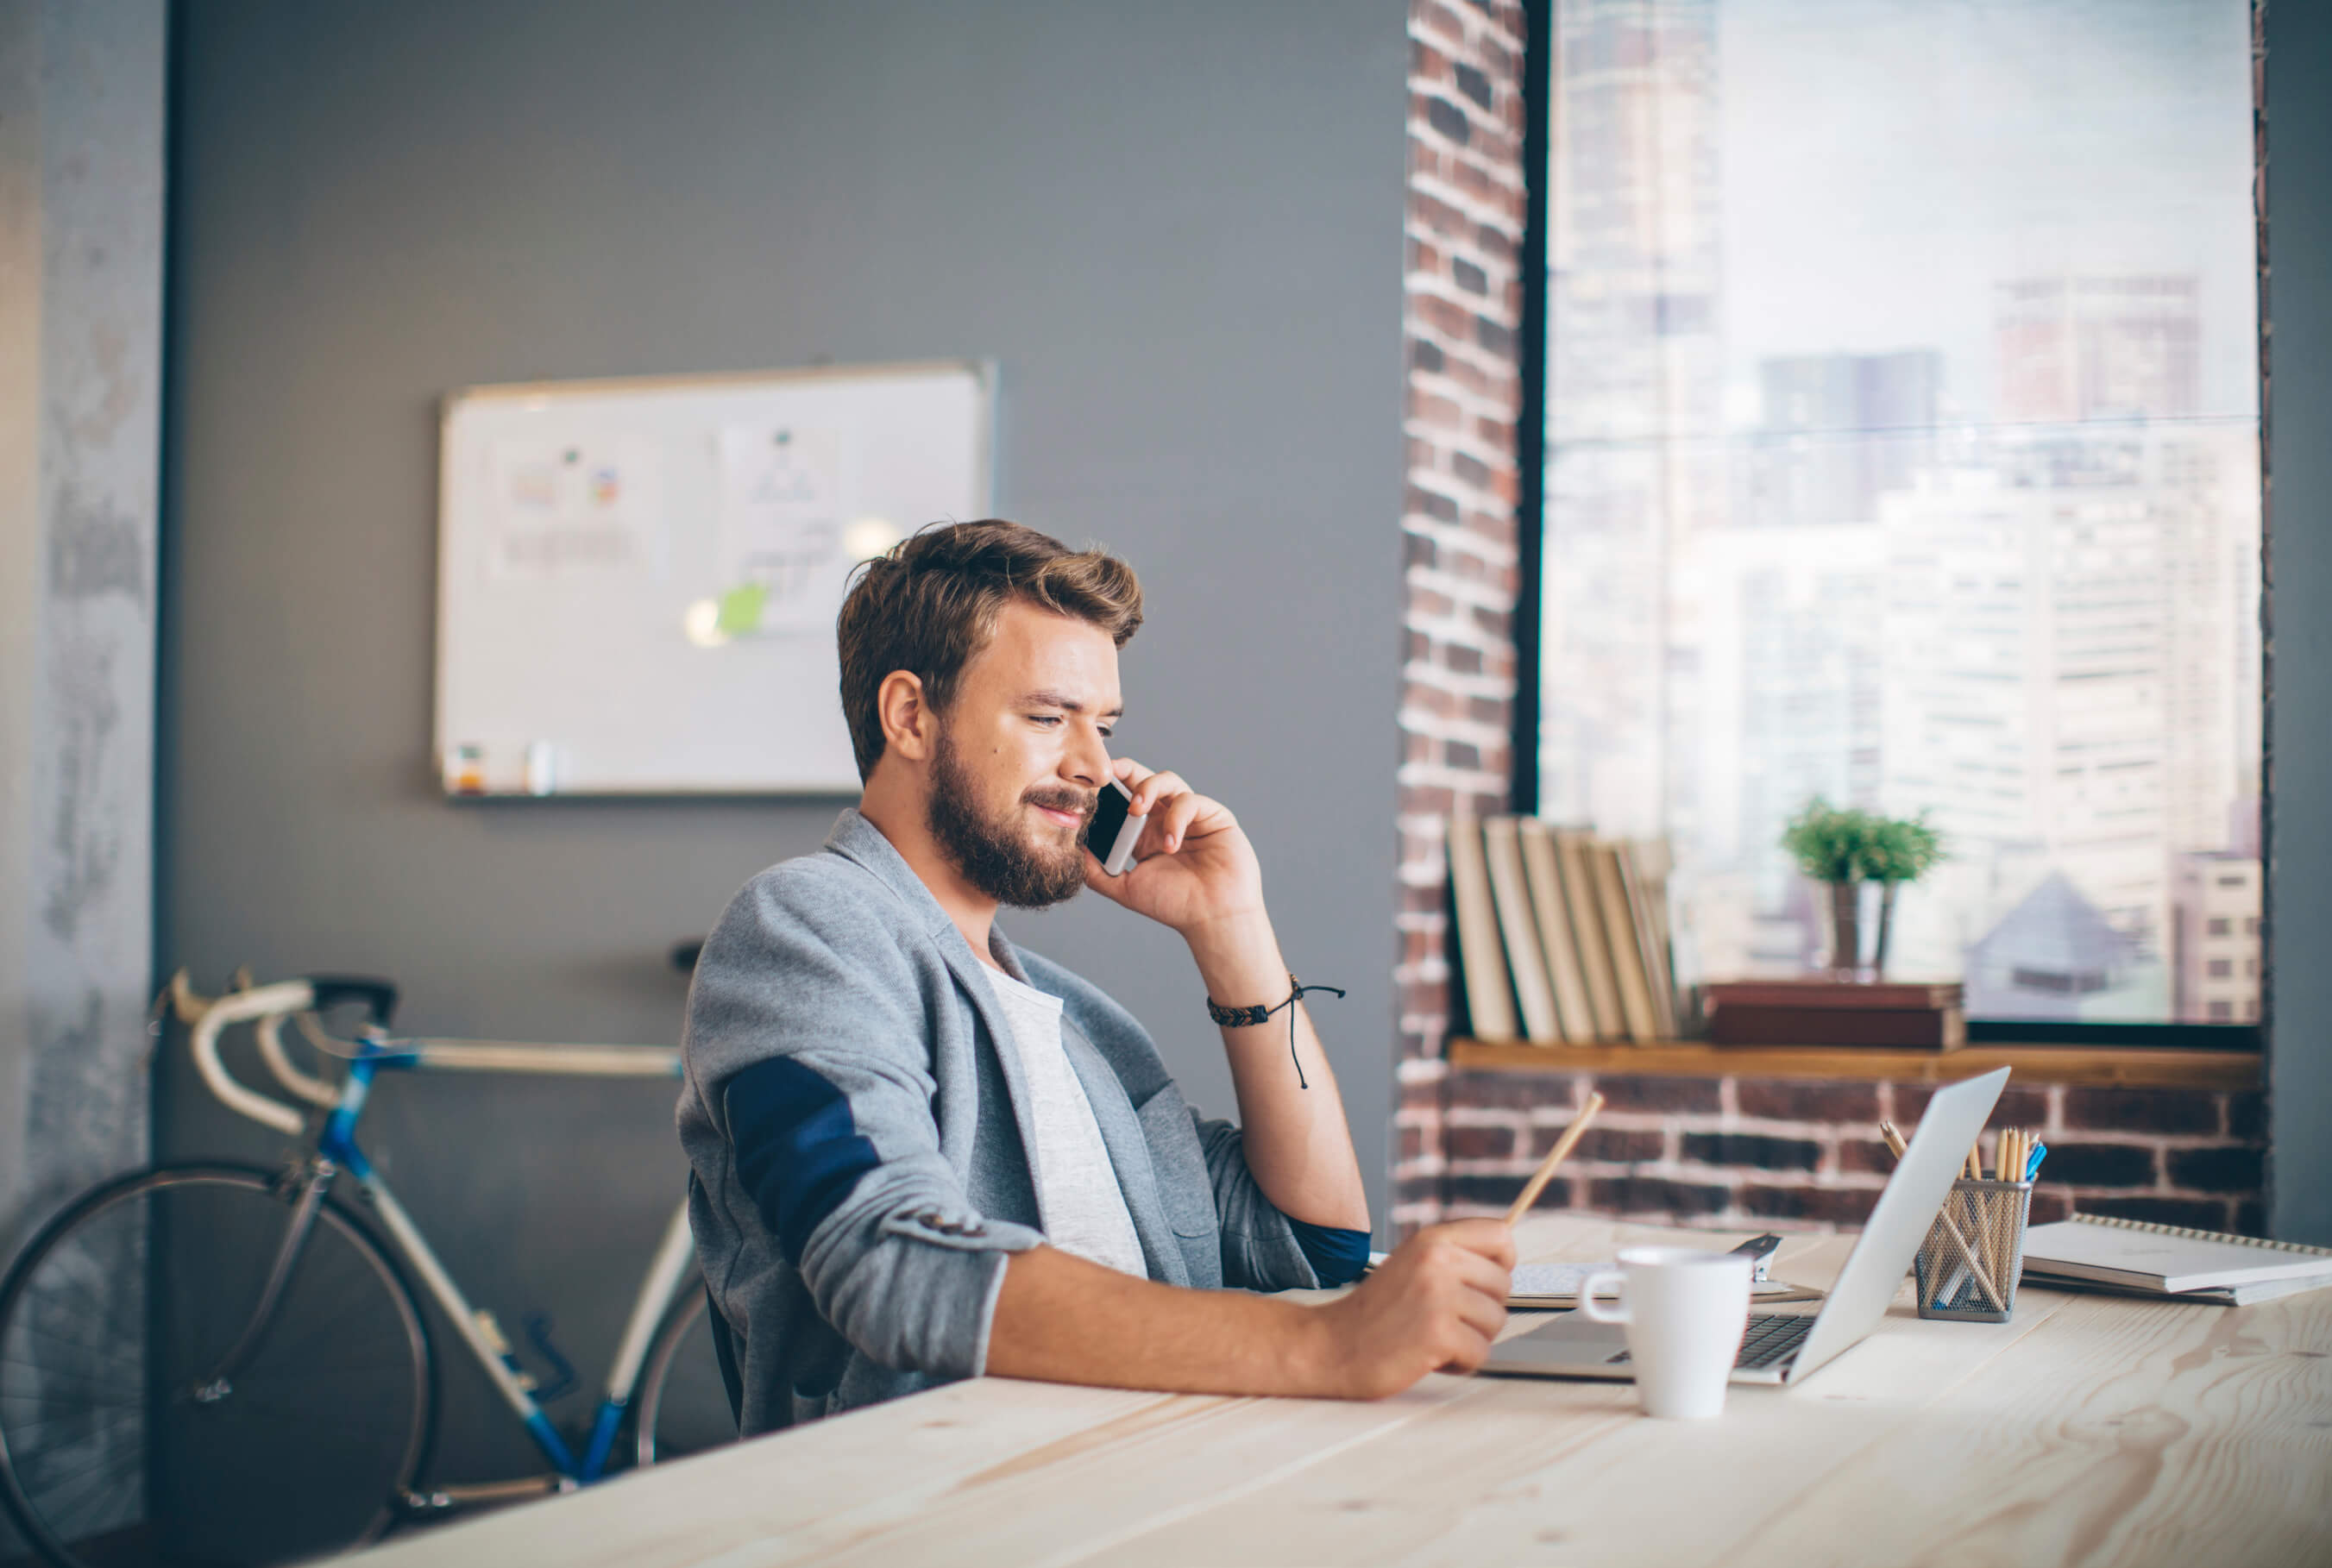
[(1968, 1265)]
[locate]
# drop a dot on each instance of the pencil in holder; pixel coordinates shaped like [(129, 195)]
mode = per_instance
[(1968, 1265)]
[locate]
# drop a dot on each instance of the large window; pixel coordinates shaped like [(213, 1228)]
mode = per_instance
[(1900, 392)]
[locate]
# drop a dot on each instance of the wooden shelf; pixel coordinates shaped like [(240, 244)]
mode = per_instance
[(2044, 1064)]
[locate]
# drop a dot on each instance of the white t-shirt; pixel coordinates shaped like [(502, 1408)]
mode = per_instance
[(1077, 1187)]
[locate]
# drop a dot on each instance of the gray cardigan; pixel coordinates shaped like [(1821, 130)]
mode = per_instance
[(903, 1172)]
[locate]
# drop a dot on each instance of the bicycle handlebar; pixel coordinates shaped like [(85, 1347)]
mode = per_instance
[(300, 1000), (261, 1002), (307, 1086)]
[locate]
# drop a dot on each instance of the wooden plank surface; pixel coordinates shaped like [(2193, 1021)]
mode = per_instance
[(2041, 1064), (2091, 1429)]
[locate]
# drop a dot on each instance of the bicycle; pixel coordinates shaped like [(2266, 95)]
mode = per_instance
[(190, 1325)]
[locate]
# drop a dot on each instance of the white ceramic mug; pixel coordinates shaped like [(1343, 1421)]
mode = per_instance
[(1686, 1312)]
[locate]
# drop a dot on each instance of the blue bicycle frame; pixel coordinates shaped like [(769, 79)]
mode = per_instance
[(376, 1053)]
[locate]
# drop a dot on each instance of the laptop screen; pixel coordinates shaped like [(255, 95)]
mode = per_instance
[(1881, 1257)]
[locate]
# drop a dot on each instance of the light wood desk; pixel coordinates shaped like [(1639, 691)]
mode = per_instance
[(2092, 1430)]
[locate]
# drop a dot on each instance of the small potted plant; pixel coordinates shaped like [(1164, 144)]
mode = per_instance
[(1844, 847), (1827, 842), (1898, 850)]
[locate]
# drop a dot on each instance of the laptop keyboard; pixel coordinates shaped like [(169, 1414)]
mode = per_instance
[(1772, 1336)]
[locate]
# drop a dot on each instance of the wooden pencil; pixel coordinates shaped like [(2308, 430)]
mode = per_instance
[(1554, 1157)]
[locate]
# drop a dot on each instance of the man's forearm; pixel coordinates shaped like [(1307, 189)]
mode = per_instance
[(1298, 1143), (1062, 1319)]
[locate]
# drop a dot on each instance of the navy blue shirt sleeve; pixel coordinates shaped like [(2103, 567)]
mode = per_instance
[(1338, 1256)]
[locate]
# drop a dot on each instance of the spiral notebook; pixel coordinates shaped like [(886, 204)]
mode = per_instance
[(2168, 1259)]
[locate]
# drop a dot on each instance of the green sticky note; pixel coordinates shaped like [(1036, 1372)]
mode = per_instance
[(740, 609)]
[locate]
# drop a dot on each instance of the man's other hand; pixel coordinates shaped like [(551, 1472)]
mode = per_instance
[(1434, 1306)]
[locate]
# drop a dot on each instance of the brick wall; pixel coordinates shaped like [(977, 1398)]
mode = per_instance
[(1462, 314), (1791, 1154)]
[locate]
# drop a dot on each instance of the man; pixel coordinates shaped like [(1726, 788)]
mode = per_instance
[(918, 1153)]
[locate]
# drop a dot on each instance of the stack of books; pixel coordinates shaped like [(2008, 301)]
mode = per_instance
[(1563, 937), (1823, 1011), (2170, 1263)]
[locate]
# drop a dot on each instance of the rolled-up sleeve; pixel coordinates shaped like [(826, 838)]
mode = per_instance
[(1260, 1248), (821, 1077)]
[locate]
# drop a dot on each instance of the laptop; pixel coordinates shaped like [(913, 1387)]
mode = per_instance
[(1785, 1348)]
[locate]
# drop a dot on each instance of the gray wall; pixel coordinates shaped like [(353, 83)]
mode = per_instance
[(2300, 780), (1177, 228)]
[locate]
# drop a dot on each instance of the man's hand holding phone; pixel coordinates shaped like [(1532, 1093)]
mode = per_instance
[(1192, 868)]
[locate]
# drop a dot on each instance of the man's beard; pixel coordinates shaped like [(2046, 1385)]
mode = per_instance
[(995, 854)]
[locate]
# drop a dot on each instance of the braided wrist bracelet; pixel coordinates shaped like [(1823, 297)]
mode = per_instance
[(1238, 1016)]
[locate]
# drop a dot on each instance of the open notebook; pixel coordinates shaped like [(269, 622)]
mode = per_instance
[(2132, 1255), (1554, 1287)]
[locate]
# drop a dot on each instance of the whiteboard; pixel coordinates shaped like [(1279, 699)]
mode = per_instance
[(637, 579)]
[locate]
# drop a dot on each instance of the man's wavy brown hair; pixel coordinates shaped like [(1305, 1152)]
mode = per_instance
[(930, 606)]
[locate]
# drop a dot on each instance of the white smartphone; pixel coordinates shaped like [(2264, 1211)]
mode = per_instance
[(1114, 830)]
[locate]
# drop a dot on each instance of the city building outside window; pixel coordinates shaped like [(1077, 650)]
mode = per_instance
[(1901, 448)]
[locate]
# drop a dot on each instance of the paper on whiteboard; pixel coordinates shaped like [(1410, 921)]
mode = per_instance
[(781, 523), (564, 508)]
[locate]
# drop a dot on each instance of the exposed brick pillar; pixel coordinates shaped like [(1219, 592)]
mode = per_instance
[(1462, 315)]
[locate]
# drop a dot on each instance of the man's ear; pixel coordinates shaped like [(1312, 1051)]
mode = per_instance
[(910, 728)]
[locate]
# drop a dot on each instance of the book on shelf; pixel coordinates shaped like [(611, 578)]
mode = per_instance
[(1568, 979), (1481, 957), (1620, 936), (1573, 857), (1562, 937), (1644, 874), (1518, 925)]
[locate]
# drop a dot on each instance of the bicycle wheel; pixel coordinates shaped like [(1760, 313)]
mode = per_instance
[(682, 1406), (126, 1435)]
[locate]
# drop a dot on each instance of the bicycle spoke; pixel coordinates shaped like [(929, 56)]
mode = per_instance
[(72, 1399), (90, 1483), (124, 1419), (89, 1355), (81, 1488), (106, 1301), (88, 1347), (47, 1324), (30, 1449), (15, 1447), (94, 1346), (48, 1376)]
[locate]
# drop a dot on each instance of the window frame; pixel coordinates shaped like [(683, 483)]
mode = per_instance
[(1530, 520)]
